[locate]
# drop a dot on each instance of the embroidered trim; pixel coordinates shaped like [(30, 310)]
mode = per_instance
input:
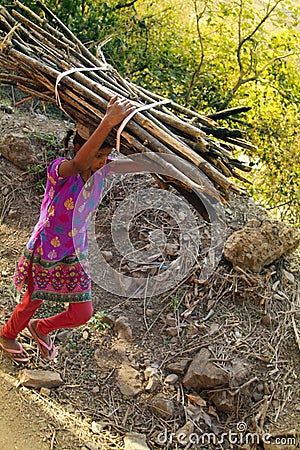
[(62, 297)]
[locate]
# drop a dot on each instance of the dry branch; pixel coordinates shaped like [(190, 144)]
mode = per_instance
[(36, 49)]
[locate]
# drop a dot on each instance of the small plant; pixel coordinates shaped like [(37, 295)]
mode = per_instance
[(175, 301), (49, 145), (97, 321)]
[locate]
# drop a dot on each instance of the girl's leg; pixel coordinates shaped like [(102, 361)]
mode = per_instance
[(20, 317), (77, 314), (22, 313)]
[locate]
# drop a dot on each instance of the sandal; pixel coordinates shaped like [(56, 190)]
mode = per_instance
[(48, 351), (18, 356)]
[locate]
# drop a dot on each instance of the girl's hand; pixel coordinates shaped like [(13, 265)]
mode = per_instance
[(117, 109)]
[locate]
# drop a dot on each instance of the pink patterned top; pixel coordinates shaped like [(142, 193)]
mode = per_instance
[(57, 270)]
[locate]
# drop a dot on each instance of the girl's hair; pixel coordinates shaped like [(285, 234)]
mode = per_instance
[(77, 139)]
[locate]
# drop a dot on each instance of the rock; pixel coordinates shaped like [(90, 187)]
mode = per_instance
[(123, 329), (129, 381), (150, 372), (18, 149), (204, 374), (39, 378), (184, 433), (153, 384), (171, 249), (223, 401), (260, 243), (91, 446), (46, 392), (96, 427), (63, 336), (152, 375), (108, 319), (171, 320), (162, 407), (171, 379), (289, 276), (85, 334), (108, 256), (239, 372), (135, 441), (172, 331), (179, 366)]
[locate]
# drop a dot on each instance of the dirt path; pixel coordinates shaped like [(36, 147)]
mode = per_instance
[(22, 426), (89, 359)]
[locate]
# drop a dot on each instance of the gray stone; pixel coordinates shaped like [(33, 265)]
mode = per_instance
[(151, 375), (224, 401), (39, 378), (171, 379), (260, 243), (107, 255), (179, 366), (184, 433), (135, 441), (153, 384), (123, 329), (150, 372), (239, 372), (162, 407), (202, 373), (129, 381), (18, 149)]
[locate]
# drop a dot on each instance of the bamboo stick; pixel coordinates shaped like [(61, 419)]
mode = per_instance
[(38, 52)]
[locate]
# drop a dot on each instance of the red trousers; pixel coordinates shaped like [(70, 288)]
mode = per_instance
[(77, 314)]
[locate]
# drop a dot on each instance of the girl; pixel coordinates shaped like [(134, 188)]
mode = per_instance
[(49, 264)]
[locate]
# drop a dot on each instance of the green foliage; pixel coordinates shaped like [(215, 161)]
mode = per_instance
[(48, 143), (209, 56), (97, 321)]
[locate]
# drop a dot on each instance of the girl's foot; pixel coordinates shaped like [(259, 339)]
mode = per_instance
[(13, 349), (44, 342)]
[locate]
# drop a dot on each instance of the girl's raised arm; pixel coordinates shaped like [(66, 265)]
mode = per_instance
[(117, 109)]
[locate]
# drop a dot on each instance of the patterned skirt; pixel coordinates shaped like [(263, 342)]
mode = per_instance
[(64, 281)]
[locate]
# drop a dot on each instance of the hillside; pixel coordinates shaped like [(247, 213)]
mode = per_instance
[(130, 369)]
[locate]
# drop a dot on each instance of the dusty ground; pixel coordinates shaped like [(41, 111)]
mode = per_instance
[(251, 318)]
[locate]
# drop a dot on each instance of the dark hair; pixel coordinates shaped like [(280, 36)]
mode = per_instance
[(77, 139)]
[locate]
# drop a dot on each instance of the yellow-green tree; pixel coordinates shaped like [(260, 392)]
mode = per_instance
[(210, 56)]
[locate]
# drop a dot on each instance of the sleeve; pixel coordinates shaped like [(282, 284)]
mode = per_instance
[(52, 171)]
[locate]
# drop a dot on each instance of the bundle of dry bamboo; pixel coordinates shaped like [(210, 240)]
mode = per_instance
[(41, 56)]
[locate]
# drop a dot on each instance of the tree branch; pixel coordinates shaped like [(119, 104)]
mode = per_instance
[(125, 5), (198, 69), (242, 81)]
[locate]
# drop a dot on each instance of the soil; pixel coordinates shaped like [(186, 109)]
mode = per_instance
[(234, 313)]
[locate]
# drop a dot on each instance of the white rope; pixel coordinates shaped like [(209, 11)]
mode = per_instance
[(104, 67), (126, 120), (69, 72)]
